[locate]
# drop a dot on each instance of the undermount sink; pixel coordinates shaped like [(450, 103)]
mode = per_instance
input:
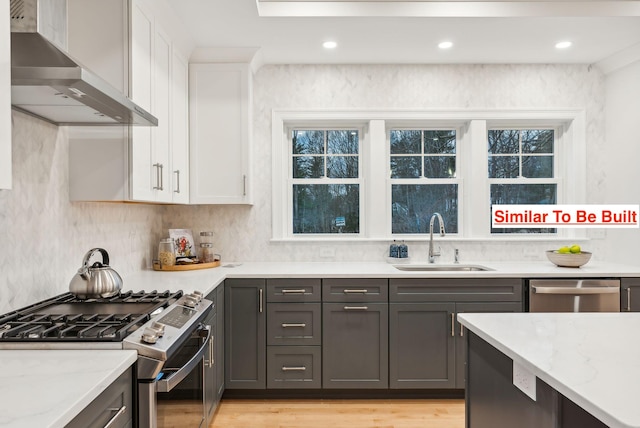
[(442, 268)]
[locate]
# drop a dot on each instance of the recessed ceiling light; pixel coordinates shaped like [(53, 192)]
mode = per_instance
[(329, 45), (563, 45), (445, 45)]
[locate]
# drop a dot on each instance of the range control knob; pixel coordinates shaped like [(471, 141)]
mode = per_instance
[(190, 301), (158, 327), (150, 335), (198, 294)]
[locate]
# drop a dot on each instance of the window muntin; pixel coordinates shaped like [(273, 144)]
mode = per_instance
[(422, 153), (325, 181), (521, 153), (423, 179), (521, 171)]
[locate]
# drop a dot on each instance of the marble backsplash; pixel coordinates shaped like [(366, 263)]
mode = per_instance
[(244, 233), (45, 236)]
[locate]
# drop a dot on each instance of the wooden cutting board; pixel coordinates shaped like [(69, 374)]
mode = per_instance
[(192, 266)]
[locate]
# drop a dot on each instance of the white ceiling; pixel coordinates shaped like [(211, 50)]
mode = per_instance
[(408, 32)]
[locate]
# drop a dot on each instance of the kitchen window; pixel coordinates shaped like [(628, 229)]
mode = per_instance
[(325, 181), (360, 175), (521, 170), (422, 167)]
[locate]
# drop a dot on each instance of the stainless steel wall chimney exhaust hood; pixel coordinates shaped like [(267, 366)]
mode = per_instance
[(48, 83)]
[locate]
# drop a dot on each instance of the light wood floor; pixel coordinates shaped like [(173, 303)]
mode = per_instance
[(315, 413)]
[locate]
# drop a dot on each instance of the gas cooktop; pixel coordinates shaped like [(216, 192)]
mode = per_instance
[(65, 318)]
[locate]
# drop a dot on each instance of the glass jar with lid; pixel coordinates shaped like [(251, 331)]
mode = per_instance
[(206, 252), (167, 252)]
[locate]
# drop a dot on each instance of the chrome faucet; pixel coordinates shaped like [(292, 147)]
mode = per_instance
[(433, 254)]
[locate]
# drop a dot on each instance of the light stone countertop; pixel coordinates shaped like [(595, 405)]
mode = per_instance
[(60, 383), (591, 358), (46, 388), (206, 280)]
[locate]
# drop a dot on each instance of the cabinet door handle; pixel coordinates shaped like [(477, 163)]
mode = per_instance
[(293, 369), (115, 417), (301, 325), (353, 291), (629, 299), (294, 291), (356, 308), (244, 185), (260, 300), (212, 354), (161, 177), (177, 172), (453, 324), (461, 330), (158, 175)]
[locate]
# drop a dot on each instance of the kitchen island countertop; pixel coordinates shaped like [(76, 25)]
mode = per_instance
[(48, 388), (590, 358)]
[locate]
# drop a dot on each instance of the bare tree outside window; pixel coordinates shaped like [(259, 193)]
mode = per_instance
[(427, 157), (325, 163), (520, 160)]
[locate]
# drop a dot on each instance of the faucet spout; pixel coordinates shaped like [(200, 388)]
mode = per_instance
[(433, 254)]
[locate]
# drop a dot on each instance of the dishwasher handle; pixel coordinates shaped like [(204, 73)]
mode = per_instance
[(574, 291)]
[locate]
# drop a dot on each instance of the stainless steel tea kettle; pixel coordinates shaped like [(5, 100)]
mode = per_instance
[(97, 280)]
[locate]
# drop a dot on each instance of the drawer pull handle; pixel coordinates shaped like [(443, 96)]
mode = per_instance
[(356, 308), (354, 291), (115, 417), (294, 291), (293, 369), (285, 325)]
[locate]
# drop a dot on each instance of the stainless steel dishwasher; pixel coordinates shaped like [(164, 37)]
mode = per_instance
[(574, 295)]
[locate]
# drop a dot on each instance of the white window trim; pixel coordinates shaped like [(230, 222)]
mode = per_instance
[(362, 142), (459, 179), (474, 223)]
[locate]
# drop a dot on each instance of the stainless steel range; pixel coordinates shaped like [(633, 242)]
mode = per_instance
[(167, 329)]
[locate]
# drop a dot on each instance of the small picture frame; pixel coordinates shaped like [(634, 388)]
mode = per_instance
[(183, 242)]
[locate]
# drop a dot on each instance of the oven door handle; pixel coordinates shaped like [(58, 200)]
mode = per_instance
[(166, 385), (575, 291)]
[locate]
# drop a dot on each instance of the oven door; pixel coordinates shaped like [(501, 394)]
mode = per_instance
[(181, 389)]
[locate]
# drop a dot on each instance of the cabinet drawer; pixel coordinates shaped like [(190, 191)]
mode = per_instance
[(293, 367), (458, 290), (114, 405), (355, 290), (293, 290), (294, 324)]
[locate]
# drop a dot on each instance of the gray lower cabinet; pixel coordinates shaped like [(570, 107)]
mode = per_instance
[(297, 367), (219, 343), (355, 349), (427, 347), (214, 359), (113, 407), (421, 345), (630, 295), (461, 342), (294, 333), (245, 334), (355, 333), (210, 396)]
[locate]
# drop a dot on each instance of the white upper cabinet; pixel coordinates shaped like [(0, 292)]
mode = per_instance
[(5, 98), (220, 133), (180, 131), (149, 46)]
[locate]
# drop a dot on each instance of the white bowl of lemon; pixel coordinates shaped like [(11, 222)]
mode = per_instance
[(569, 256)]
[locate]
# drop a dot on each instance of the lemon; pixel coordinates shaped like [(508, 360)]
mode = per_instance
[(564, 250), (575, 249)]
